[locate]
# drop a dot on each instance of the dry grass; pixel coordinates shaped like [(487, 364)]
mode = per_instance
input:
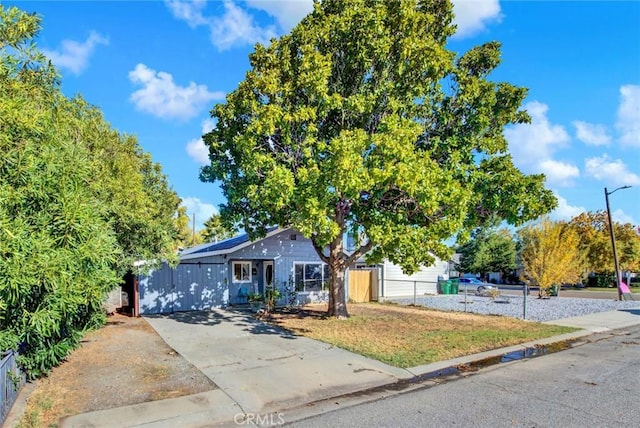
[(412, 336), (123, 363)]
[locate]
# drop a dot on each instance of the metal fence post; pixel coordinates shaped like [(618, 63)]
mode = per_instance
[(414, 292)]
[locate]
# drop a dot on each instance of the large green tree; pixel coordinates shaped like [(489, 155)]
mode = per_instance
[(140, 204), (489, 250), (361, 121), (78, 203)]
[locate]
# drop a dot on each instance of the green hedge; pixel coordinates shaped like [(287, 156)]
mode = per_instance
[(602, 281)]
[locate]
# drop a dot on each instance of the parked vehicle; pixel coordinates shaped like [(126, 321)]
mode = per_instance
[(474, 283)]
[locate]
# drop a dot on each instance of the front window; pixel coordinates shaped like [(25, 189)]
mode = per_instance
[(241, 271), (311, 276)]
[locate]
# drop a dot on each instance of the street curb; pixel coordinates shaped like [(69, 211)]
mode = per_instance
[(434, 374)]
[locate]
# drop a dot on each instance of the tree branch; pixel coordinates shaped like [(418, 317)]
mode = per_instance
[(364, 249), (320, 251)]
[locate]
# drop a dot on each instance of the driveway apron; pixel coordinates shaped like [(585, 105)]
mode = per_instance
[(264, 368)]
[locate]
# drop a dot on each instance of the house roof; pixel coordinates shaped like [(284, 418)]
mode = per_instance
[(225, 246)]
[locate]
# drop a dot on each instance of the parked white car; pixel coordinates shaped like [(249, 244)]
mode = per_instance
[(475, 284)]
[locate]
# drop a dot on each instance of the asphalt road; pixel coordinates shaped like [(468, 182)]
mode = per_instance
[(595, 384)]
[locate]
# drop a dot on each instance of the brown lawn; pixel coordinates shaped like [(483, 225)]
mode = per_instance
[(412, 336)]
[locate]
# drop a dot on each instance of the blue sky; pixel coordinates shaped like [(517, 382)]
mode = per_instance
[(156, 68)]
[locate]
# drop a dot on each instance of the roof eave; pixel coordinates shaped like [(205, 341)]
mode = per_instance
[(233, 249)]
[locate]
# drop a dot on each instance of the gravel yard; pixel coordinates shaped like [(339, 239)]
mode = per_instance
[(550, 309)]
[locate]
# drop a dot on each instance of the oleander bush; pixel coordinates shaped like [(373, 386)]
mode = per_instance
[(71, 189)]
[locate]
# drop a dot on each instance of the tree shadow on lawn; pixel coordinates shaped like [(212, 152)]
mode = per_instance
[(272, 323)]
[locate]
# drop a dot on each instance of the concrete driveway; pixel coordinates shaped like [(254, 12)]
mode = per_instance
[(263, 368)]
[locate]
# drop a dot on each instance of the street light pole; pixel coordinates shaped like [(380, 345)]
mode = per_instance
[(613, 239)]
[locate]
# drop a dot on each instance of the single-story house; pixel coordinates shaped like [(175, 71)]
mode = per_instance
[(215, 275)]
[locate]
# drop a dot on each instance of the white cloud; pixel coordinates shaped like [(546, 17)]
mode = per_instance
[(207, 125), (188, 11), (614, 173), (559, 173), (533, 143), (161, 97), (622, 217), (628, 121), (202, 210), (591, 134), (235, 27), (196, 148), (74, 56), (287, 13), (198, 151), (564, 211), (472, 16)]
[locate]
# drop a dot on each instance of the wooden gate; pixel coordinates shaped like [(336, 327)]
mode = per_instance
[(361, 282)]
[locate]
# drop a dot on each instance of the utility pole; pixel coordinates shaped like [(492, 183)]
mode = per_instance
[(193, 231), (613, 239)]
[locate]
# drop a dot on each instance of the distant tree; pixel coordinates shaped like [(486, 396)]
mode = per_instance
[(184, 236), (550, 254), (214, 230), (628, 246), (362, 122), (595, 241), (489, 250)]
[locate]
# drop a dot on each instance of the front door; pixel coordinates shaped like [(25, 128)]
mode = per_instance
[(267, 269)]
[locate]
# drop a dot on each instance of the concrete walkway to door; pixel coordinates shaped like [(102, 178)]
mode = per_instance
[(263, 368)]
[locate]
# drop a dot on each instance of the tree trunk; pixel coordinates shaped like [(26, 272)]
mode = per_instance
[(337, 294), (337, 268)]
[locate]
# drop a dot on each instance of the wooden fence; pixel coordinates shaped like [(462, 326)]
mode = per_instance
[(363, 285)]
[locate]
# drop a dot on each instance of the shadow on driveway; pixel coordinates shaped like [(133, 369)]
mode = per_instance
[(238, 317)]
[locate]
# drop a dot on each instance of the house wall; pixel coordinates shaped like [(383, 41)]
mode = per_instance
[(191, 286), (207, 282), (284, 251), (395, 283)]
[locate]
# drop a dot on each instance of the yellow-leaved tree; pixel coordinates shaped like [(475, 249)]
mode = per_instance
[(550, 254)]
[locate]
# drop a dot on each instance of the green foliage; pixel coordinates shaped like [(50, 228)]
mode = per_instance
[(184, 235), (78, 203), (139, 203), (255, 297), (595, 241), (490, 250), (361, 122), (215, 230), (272, 295), (602, 281)]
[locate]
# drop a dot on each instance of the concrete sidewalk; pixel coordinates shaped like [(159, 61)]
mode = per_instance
[(262, 370)]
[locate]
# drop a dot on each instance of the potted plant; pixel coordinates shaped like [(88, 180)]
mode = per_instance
[(255, 300), (272, 295)]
